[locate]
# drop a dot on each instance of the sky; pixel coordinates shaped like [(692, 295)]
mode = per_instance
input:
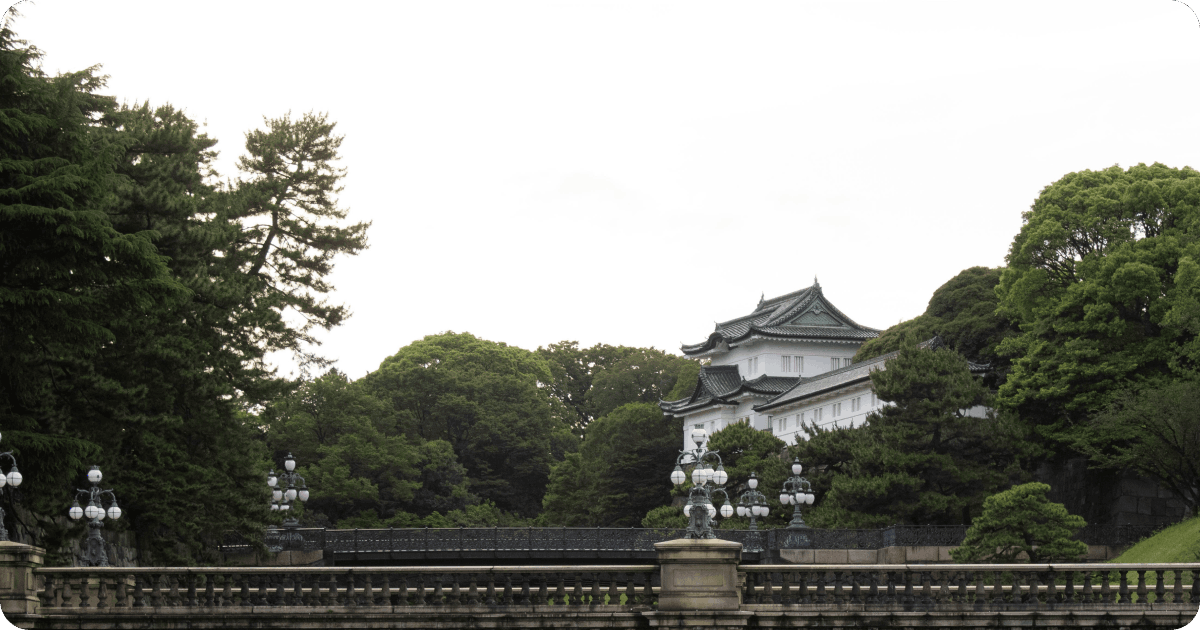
[(630, 172)]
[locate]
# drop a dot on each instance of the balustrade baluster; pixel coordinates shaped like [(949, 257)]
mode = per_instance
[(855, 588), (1051, 588), (614, 594), (980, 591), (122, 597), (891, 587), (1194, 593), (68, 596), (419, 600), (839, 590), (543, 593), (785, 588), (1125, 599), (491, 589), (327, 596), (960, 594), (507, 596), (1105, 589), (226, 590), (523, 599), (473, 595), (1141, 588), (1088, 595), (997, 595), (821, 596), (560, 594), (577, 589), (927, 588), (767, 594), (1177, 591), (173, 598), (48, 591), (385, 590), (402, 591), (456, 592), (873, 590), (438, 593), (1069, 593), (630, 592), (190, 578), (156, 595), (243, 590), (280, 598), (1160, 591), (597, 598), (351, 594), (101, 591), (648, 591), (368, 596), (260, 580)]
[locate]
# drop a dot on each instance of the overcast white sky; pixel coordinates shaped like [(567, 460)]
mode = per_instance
[(629, 172)]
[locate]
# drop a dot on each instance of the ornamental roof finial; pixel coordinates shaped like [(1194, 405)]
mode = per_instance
[(815, 283)]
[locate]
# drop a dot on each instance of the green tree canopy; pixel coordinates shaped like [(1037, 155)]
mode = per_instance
[(921, 459), (622, 470), (744, 450), (963, 313), (590, 382), (1022, 524), (1104, 282), (1154, 432), (488, 401)]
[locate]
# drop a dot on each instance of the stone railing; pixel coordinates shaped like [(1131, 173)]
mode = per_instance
[(693, 583)]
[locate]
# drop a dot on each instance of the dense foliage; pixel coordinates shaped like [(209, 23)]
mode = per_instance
[(929, 457), (1021, 524)]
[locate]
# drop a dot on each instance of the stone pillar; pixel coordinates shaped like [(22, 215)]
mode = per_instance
[(699, 585), (18, 590)]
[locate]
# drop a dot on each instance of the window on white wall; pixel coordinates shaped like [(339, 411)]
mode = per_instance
[(818, 413), (799, 361), (785, 364), (834, 363)]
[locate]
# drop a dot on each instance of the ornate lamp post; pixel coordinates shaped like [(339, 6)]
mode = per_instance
[(13, 479), (282, 499), (705, 482), (796, 491), (753, 503), (94, 555)]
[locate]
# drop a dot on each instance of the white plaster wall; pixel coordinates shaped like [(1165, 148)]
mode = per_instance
[(790, 432), (816, 356)]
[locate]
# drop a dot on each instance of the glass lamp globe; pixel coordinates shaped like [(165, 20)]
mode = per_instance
[(303, 494), (785, 498), (720, 477), (91, 511), (708, 474), (3, 481), (726, 510), (14, 477), (114, 512), (712, 511), (796, 467), (687, 510), (698, 436), (741, 510), (274, 507), (277, 495), (698, 475), (753, 481), (809, 498), (75, 512), (766, 511), (272, 479), (678, 476), (289, 463), (285, 506), (94, 475), (290, 494)]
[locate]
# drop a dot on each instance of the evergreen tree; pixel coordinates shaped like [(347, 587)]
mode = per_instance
[(1021, 524)]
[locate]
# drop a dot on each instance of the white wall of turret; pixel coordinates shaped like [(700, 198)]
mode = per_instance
[(786, 358)]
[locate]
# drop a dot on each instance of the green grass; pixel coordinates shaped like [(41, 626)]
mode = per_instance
[(1177, 543)]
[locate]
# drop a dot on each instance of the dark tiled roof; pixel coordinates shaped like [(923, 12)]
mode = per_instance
[(776, 318), (721, 384)]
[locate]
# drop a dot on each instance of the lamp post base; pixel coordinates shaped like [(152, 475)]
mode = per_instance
[(797, 520), (94, 554)]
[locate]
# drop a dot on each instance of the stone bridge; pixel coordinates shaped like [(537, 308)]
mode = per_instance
[(694, 584)]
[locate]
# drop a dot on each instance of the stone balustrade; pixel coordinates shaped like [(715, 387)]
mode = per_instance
[(695, 584)]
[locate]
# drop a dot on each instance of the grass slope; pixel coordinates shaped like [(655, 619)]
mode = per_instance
[(1177, 543)]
